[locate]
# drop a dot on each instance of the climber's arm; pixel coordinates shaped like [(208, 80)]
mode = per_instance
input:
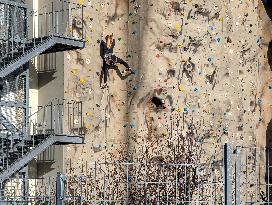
[(102, 48), (113, 43)]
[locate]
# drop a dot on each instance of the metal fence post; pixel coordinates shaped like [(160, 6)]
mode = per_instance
[(227, 174), (60, 181), (237, 176)]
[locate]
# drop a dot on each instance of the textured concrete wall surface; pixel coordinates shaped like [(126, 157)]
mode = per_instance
[(202, 78)]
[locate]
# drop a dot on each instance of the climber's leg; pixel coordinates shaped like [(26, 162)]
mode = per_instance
[(124, 63), (105, 71)]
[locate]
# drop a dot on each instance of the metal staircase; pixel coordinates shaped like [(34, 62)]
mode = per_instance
[(29, 155), (23, 134), (38, 46), (46, 127)]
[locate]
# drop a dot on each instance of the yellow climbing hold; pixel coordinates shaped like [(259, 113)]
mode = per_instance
[(82, 80), (220, 19), (164, 134), (88, 39), (88, 113), (178, 27), (180, 87), (179, 45), (80, 2), (178, 110), (69, 29), (86, 16), (74, 71), (87, 126)]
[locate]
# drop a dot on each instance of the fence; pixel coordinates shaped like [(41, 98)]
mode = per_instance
[(242, 177)]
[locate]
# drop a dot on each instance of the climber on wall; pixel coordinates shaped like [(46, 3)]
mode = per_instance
[(109, 59)]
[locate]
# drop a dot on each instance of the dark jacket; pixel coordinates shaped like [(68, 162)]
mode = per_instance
[(104, 50)]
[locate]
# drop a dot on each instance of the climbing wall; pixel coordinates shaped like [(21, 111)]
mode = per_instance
[(202, 78), (105, 110)]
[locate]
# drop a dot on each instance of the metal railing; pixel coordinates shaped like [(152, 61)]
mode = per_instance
[(61, 18), (58, 117), (123, 183), (242, 177)]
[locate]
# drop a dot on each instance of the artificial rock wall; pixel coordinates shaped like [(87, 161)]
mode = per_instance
[(202, 78)]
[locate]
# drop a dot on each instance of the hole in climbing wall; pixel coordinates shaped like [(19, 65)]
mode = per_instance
[(159, 103)]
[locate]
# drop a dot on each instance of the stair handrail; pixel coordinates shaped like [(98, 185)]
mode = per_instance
[(49, 140), (57, 119), (14, 60), (53, 29)]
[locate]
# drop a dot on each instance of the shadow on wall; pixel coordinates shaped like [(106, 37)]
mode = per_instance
[(269, 134), (45, 78), (33, 81), (268, 171), (269, 54), (44, 168), (119, 5), (268, 7)]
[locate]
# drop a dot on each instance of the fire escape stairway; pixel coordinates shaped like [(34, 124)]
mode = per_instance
[(28, 156), (21, 137), (37, 46), (7, 124), (16, 148)]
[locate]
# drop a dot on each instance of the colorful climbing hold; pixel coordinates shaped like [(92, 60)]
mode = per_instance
[(74, 71), (179, 45), (88, 40), (178, 27), (196, 90), (82, 80), (132, 125), (80, 2), (180, 87)]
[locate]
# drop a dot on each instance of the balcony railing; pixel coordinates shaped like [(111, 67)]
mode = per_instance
[(20, 26)]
